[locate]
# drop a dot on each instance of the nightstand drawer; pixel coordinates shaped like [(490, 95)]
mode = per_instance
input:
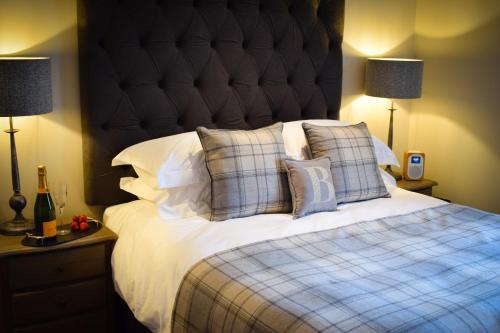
[(54, 267), (94, 322), (42, 305)]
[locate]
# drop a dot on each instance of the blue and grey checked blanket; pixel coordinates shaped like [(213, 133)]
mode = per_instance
[(435, 270)]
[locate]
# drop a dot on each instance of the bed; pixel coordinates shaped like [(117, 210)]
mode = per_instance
[(152, 69), (152, 258)]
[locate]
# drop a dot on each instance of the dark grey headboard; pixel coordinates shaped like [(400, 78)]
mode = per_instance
[(151, 68)]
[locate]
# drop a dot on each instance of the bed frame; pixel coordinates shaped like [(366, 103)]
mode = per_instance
[(152, 68)]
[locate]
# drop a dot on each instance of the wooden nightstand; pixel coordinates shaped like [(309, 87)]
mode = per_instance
[(423, 186), (64, 288)]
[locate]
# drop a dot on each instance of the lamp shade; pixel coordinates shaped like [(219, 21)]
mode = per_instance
[(25, 86), (394, 78)]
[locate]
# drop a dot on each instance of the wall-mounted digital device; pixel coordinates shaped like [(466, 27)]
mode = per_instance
[(413, 165)]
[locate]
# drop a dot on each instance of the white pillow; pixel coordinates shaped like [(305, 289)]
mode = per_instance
[(178, 160), (385, 156), (171, 161), (188, 201), (295, 139), (387, 178), (296, 143), (172, 203)]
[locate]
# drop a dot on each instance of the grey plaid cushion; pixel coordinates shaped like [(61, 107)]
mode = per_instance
[(353, 162), (247, 171), (311, 186)]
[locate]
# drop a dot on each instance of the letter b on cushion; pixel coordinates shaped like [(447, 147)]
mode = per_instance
[(317, 177), (311, 186)]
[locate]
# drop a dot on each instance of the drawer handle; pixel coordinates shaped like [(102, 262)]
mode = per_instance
[(60, 269)]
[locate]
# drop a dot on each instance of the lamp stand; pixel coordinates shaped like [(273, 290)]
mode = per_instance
[(19, 225), (388, 168)]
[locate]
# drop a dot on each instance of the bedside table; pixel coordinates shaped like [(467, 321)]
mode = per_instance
[(63, 288), (423, 186)]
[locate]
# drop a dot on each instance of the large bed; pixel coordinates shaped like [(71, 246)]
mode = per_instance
[(152, 255), (404, 262)]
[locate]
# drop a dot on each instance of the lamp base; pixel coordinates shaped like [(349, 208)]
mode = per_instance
[(393, 173), (16, 227)]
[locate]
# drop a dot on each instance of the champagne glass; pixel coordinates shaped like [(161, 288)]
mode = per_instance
[(59, 192)]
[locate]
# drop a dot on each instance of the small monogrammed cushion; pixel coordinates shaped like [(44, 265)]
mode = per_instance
[(311, 186)]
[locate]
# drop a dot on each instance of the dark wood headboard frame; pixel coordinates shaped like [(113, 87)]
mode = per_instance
[(152, 68)]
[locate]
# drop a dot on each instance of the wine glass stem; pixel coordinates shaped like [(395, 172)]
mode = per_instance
[(60, 217)]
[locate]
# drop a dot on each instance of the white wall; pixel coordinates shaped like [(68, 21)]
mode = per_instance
[(457, 121)]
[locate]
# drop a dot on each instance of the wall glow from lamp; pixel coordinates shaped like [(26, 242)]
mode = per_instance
[(364, 102), (8, 47), (26, 24), (14, 44), (376, 28), (367, 47), (369, 110)]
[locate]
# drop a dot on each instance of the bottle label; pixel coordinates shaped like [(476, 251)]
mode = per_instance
[(49, 228)]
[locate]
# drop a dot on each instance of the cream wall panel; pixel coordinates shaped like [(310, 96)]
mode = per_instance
[(457, 122)]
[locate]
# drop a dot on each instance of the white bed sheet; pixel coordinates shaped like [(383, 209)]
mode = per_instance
[(152, 255)]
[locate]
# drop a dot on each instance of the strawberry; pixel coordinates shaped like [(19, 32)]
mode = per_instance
[(83, 218), (75, 218), (84, 226), (75, 226)]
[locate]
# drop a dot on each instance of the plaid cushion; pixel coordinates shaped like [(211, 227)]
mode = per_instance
[(353, 162), (247, 171)]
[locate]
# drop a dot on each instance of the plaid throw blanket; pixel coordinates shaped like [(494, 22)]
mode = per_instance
[(435, 270)]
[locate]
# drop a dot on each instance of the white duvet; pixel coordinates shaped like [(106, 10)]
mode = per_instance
[(152, 255)]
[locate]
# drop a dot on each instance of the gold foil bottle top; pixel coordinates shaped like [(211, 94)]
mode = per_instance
[(42, 170), (42, 179)]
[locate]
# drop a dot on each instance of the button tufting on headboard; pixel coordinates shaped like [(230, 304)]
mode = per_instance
[(154, 68)]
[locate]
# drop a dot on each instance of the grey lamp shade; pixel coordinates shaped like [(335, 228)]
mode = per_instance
[(394, 78), (25, 86)]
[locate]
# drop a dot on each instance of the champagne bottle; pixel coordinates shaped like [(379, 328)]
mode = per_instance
[(45, 212)]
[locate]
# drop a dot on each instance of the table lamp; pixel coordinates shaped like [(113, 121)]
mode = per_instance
[(393, 78), (25, 90)]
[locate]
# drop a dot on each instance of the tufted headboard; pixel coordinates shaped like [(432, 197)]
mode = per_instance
[(151, 68)]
